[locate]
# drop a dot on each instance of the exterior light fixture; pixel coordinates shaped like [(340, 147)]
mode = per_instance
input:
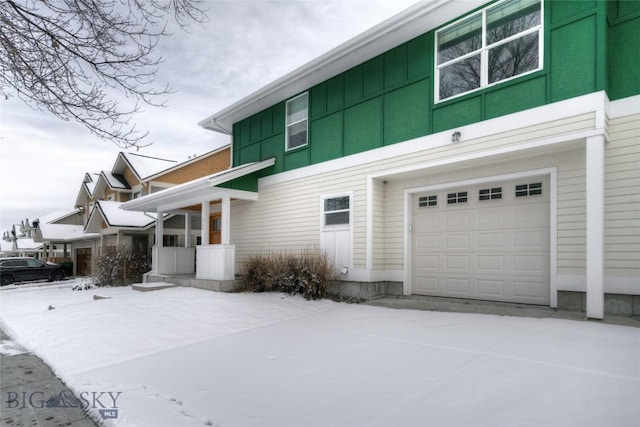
[(455, 137)]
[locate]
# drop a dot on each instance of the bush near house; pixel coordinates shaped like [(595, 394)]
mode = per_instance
[(109, 269), (307, 272), (113, 268)]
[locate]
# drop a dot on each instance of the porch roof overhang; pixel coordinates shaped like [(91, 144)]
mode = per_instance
[(200, 190)]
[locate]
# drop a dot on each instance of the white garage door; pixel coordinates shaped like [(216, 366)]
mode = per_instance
[(487, 242)]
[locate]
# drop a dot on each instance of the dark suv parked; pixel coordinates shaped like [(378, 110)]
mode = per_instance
[(27, 269)]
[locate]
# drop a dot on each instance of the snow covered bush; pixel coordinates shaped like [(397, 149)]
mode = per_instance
[(136, 264), (307, 272), (109, 269), (114, 268)]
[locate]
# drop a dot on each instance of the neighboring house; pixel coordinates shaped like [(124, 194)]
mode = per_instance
[(134, 176), (469, 149), (23, 239), (58, 234)]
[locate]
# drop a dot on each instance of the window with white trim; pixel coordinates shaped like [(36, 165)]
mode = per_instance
[(495, 44), (297, 122), (337, 211), (336, 228)]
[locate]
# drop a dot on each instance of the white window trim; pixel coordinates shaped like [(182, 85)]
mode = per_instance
[(323, 226), (484, 53), (349, 227), (287, 125)]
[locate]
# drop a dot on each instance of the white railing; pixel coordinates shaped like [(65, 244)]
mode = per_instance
[(173, 260)]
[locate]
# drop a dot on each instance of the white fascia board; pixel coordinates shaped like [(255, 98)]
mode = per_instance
[(409, 24), (595, 102), (85, 236), (200, 189)]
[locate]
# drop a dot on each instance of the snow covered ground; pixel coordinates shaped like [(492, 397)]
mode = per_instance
[(187, 357)]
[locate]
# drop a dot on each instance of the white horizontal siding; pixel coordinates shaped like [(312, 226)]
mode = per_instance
[(622, 198), (287, 214)]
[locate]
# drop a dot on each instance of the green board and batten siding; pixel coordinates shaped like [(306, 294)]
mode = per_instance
[(589, 46)]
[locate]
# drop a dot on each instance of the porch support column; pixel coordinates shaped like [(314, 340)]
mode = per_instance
[(159, 229), (595, 226), (187, 230), (225, 221), (206, 210)]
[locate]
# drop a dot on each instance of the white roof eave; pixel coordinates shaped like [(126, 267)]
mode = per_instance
[(407, 25)]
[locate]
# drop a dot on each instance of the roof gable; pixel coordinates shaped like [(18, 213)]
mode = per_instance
[(142, 166), (113, 216)]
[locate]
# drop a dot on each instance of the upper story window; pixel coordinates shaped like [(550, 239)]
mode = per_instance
[(297, 124), (493, 45)]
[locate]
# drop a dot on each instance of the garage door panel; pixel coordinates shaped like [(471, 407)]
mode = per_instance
[(426, 224), (428, 263), (531, 239), (530, 263), (457, 221), (426, 284), (491, 263), (490, 288), (528, 290), (457, 285), (491, 217), (427, 242), (457, 241), (459, 263), (531, 215), (495, 248), (490, 240)]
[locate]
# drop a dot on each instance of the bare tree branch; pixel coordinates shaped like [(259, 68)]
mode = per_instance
[(74, 58)]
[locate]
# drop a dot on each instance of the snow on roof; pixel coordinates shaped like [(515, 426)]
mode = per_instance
[(116, 217), (61, 231), (146, 166), (23, 243), (54, 216), (90, 181), (115, 180)]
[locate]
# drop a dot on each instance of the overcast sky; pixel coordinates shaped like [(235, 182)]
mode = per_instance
[(246, 45)]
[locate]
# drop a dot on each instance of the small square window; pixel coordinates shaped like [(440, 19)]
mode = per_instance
[(533, 189), (453, 198), (490, 193), (426, 201)]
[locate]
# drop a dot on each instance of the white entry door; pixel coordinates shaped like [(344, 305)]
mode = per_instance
[(488, 242)]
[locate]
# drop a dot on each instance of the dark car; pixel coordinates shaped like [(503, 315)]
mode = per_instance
[(28, 269)]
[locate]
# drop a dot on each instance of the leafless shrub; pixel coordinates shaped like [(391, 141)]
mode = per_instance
[(307, 272)]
